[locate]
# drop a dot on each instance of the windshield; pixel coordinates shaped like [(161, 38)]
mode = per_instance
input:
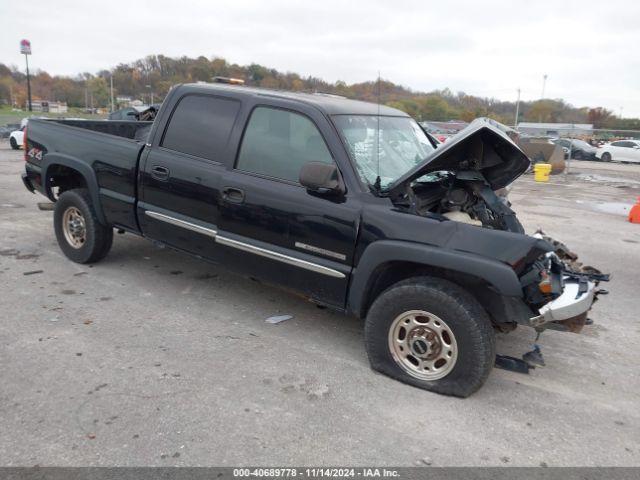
[(401, 145)]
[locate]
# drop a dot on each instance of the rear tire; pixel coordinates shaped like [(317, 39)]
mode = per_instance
[(606, 157), (14, 144), (81, 237), (418, 305)]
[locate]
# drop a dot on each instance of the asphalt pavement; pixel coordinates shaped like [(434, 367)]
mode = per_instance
[(151, 357)]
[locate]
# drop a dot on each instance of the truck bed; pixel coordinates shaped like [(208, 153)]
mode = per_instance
[(124, 128), (111, 149)]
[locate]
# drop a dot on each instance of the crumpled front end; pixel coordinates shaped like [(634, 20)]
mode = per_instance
[(561, 289)]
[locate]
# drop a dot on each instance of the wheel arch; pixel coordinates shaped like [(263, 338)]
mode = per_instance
[(385, 263), (69, 172)]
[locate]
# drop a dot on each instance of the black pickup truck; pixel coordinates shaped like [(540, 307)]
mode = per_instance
[(349, 203)]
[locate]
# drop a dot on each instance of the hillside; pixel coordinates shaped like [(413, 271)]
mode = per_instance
[(157, 73)]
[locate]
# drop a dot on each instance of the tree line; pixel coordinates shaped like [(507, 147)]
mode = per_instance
[(157, 73)]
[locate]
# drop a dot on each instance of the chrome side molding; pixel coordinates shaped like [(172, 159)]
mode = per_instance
[(246, 247), (181, 223), (280, 257)]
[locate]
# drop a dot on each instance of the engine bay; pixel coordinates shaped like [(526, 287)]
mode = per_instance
[(463, 196)]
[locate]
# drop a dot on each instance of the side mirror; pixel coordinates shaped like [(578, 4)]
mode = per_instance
[(321, 178)]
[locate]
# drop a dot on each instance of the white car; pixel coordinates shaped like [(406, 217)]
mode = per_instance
[(16, 139), (620, 151)]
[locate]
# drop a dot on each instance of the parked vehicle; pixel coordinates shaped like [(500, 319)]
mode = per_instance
[(347, 202), (620, 151), (580, 150), (5, 131), (16, 138)]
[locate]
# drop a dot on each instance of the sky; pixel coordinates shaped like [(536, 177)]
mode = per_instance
[(588, 49)]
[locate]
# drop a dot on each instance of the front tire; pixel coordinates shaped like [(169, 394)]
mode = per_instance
[(81, 237), (432, 334), (14, 144), (606, 157)]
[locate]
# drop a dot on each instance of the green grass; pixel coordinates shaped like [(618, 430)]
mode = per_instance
[(7, 115)]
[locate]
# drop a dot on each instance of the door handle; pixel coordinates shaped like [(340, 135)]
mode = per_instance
[(233, 195), (160, 173)]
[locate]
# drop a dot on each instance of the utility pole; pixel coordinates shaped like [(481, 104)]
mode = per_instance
[(544, 84), (111, 81), (515, 123), (26, 57)]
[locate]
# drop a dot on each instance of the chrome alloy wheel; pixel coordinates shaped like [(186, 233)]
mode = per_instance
[(73, 227), (423, 345)]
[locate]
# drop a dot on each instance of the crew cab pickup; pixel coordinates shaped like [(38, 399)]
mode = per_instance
[(349, 203)]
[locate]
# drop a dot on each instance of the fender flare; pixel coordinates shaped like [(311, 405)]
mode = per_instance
[(500, 276), (85, 170)]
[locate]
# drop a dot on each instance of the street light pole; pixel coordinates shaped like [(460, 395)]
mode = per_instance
[(544, 84), (26, 58), (111, 81)]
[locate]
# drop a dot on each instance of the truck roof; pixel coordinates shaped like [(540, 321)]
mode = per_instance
[(327, 103)]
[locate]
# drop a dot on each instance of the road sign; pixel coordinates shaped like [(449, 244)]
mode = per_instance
[(25, 46)]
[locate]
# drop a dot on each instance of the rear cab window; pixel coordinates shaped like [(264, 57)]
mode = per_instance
[(277, 143), (200, 125)]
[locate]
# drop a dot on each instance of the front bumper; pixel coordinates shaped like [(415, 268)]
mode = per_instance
[(569, 311)]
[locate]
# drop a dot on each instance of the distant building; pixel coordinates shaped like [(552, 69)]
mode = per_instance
[(48, 106), (555, 129), (123, 100)]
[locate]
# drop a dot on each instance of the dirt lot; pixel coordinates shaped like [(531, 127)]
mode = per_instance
[(155, 358)]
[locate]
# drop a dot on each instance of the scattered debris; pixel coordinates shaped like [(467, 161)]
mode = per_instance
[(27, 256), (512, 364), (88, 322), (33, 272), (278, 319), (534, 357), (426, 461), (46, 206)]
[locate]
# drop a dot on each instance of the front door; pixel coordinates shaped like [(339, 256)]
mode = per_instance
[(272, 226)]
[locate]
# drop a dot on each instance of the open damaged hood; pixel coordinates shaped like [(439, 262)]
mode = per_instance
[(480, 146)]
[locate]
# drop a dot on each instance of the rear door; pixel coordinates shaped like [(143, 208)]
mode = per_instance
[(180, 176), (273, 227)]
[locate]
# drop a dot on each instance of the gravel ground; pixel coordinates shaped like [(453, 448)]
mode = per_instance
[(154, 358)]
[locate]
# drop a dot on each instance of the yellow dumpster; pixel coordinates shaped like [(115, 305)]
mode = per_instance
[(541, 172)]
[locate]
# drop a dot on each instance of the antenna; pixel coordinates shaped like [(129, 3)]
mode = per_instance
[(378, 137)]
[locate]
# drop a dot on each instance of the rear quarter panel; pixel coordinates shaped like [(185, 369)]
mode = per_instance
[(107, 162)]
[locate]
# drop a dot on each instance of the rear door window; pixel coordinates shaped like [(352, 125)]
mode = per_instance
[(200, 125), (277, 143)]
